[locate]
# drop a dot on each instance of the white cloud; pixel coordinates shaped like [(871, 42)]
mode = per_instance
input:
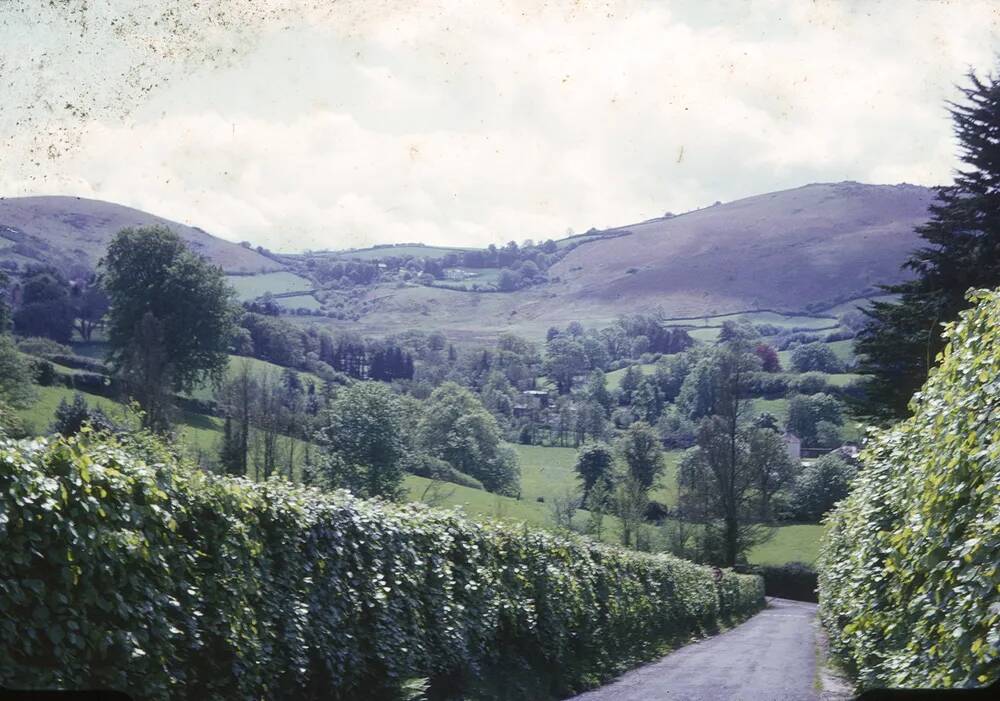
[(451, 122)]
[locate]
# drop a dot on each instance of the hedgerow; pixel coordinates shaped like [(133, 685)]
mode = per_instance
[(122, 568), (910, 568)]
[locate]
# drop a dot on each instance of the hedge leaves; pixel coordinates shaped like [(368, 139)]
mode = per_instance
[(120, 568), (910, 570)]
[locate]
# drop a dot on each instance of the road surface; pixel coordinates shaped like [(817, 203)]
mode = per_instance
[(771, 657)]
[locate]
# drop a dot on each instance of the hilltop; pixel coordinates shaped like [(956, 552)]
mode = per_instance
[(796, 252), (72, 233), (800, 251)]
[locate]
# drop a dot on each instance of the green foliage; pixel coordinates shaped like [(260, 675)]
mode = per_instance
[(16, 375), (171, 317), (45, 309), (807, 411), (565, 358), (962, 251), (457, 428), (911, 565), (816, 357), (126, 569), (365, 441), (595, 464), (819, 486), (642, 454)]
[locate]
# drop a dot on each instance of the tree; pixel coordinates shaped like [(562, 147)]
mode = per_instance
[(458, 429), (629, 501), (171, 317), (45, 308), (820, 486), (564, 360), (629, 384), (717, 477), (768, 459), (236, 399), (595, 463), (16, 385), (769, 361), (597, 390), (899, 344), (90, 304), (805, 412), (364, 441), (816, 357), (640, 449)]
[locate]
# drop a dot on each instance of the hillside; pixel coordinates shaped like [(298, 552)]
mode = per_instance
[(794, 251), (72, 234)]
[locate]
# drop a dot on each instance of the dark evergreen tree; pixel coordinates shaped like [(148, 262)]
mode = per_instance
[(898, 346)]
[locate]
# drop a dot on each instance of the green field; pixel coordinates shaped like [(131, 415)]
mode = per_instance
[(614, 377), (545, 472), (789, 544), (484, 278), (258, 368), (400, 251), (298, 302), (844, 350), (249, 287)]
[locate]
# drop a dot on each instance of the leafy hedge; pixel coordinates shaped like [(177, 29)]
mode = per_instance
[(910, 569), (121, 568)]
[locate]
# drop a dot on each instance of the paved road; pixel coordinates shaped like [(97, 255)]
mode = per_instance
[(771, 657)]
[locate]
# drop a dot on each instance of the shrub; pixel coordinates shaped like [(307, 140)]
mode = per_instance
[(819, 486), (816, 357), (793, 580), (909, 567), (78, 362), (123, 568)]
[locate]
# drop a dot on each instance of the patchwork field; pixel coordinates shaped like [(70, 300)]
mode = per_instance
[(399, 251), (250, 287), (298, 302)]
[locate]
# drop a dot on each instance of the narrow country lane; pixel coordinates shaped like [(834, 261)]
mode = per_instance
[(771, 657)]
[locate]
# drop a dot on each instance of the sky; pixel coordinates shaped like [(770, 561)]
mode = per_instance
[(310, 124)]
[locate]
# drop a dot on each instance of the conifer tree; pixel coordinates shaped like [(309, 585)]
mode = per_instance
[(901, 340)]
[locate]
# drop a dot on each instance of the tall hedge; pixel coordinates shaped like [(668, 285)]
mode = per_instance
[(121, 568), (910, 569)]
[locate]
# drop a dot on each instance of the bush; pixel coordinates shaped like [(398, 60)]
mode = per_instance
[(793, 580), (123, 568), (816, 357), (812, 383), (909, 566), (78, 362), (41, 346), (44, 372), (819, 486)]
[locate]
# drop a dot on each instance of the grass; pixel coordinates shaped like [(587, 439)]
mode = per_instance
[(399, 251), (844, 350), (798, 543), (777, 407), (250, 287), (298, 302), (38, 417), (484, 278), (615, 377), (545, 472), (258, 368)]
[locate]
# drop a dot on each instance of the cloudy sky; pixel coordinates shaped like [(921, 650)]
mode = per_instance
[(310, 124)]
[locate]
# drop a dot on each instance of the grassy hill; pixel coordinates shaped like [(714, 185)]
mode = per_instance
[(800, 252), (805, 253), (72, 234)]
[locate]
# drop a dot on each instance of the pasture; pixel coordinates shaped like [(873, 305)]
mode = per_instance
[(250, 287)]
